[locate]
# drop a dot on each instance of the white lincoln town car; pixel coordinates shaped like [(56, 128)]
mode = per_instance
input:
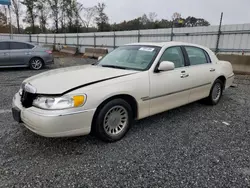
[(132, 82)]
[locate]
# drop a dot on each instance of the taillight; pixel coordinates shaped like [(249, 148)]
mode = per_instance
[(49, 52)]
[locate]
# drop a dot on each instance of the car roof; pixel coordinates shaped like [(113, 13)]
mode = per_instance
[(10, 40), (170, 43)]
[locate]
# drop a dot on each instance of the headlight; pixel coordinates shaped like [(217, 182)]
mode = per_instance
[(59, 103)]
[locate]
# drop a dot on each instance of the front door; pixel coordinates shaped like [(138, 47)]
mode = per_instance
[(4, 54), (170, 89)]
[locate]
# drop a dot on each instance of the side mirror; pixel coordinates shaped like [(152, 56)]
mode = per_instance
[(166, 66), (99, 58)]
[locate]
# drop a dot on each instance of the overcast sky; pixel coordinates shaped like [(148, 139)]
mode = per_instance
[(235, 11)]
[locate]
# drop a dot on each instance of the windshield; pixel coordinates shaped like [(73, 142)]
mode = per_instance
[(131, 57)]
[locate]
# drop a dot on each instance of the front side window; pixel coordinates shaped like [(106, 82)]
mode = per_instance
[(196, 55), (4, 46), (131, 57), (19, 46), (175, 55)]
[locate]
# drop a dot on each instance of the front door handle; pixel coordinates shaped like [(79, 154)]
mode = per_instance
[(185, 75), (6, 53), (212, 70), (28, 53)]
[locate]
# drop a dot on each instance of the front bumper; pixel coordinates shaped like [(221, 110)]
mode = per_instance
[(48, 59), (49, 62), (60, 123)]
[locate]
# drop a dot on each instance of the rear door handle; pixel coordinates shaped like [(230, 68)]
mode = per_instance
[(212, 70), (6, 53), (27, 53)]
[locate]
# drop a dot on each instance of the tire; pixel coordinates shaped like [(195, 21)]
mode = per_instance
[(215, 93), (113, 120), (36, 63)]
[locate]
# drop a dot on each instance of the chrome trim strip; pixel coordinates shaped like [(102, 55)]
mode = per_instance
[(163, 95), (144, 98), (230, 76), (61, 114), (13, 66)]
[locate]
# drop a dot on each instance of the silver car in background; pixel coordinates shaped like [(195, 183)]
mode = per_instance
[(24, 54)]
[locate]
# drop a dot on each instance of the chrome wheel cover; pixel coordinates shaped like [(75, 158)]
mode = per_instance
[(216, 92), (115, 120)]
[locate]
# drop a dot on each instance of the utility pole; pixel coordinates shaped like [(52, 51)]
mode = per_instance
[(11, 30), (219, 33)]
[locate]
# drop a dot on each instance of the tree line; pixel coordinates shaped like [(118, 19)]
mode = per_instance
[(70, 16)]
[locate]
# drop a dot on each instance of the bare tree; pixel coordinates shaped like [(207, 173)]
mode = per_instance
[(62, 14), (31, 13), (55, 8), (77, 9), (3, 18), (144, 19), (89, 16), (42, 12), (17, 11), (70, 7), (152, 16), (102, 19), (176, 16)]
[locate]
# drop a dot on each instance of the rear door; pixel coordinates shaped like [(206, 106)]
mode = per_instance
[(201, 72), (20, 53), (4, 54)]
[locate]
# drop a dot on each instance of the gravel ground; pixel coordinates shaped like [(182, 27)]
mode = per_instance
[(192, 146)]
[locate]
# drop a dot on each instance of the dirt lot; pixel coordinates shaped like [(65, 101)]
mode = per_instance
[(192, 146)]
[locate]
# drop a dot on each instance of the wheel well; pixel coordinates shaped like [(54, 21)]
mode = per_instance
[(128, 98), (223, 79)]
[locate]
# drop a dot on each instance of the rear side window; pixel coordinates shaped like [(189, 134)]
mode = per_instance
[(19, 46), (30, 46), (4, 46), (196, 56)]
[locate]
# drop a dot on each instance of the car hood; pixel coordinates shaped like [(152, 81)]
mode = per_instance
[(63, 80)]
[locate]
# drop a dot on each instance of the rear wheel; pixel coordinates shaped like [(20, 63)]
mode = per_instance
[(215, 93), (36, 63), (113, 120)]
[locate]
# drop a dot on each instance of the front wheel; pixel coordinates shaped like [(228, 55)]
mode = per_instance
[(215, 93), (36, 63), (113, 120)]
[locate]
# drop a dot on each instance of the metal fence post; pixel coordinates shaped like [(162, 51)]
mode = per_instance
[(94, 40), (46, 39), (54, 42), (172, 31), (65, 39), (37, 39), (139, 36), (30, 37), (218, 36), (114, 41), (77, 43), (77, 40)]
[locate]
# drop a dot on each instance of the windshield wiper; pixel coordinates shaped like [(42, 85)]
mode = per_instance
[(114, 66)]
